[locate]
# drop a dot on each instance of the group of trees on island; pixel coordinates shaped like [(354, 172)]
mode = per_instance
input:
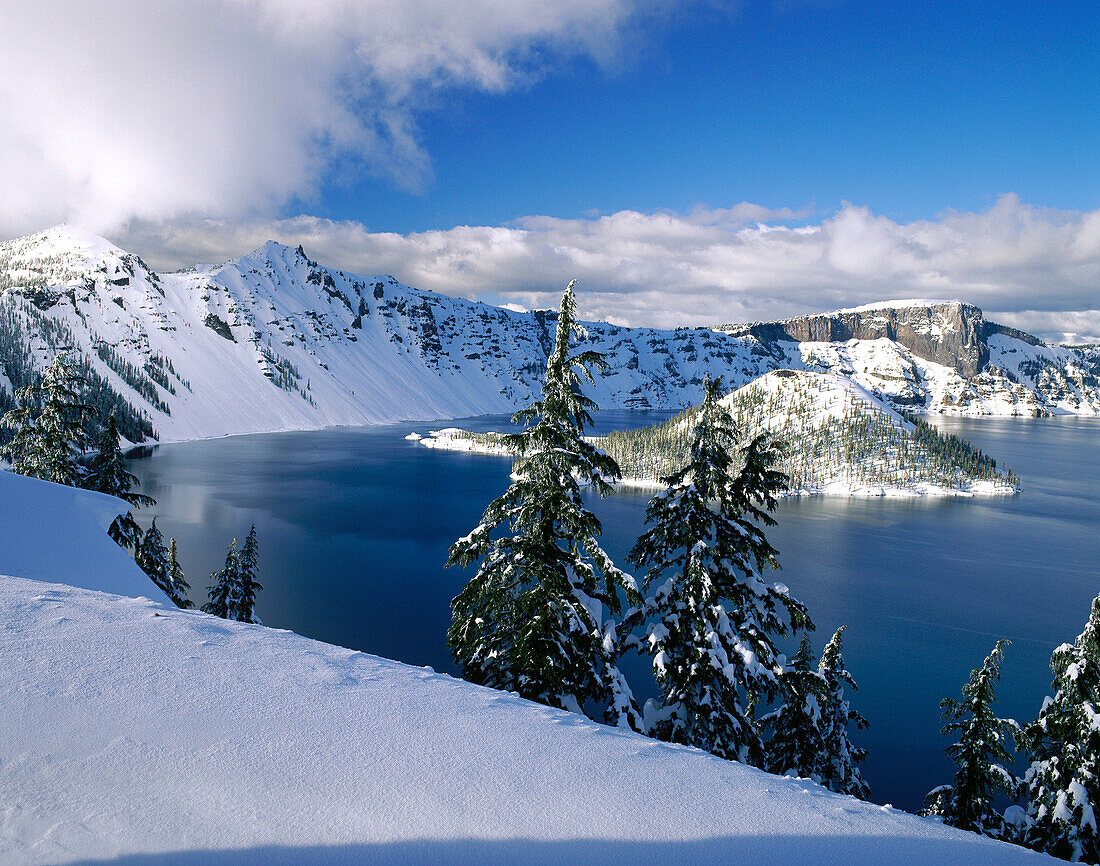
[(851, 441), (52, 433), (548, 615)]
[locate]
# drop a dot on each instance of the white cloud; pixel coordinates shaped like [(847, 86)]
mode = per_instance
[(230, 108), (179, 128), (1061, 326), (1034, 269)]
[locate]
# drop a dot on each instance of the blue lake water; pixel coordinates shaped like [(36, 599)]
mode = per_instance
[(354, 526)]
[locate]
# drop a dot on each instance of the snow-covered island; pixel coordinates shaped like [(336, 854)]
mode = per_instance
[(841, 440), (137, 732)]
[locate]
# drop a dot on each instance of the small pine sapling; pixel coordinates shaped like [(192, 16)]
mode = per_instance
[(242, 607), (796, 742), (980, 754), (840, 760), (152, 558), (223, 587), (179, 586)]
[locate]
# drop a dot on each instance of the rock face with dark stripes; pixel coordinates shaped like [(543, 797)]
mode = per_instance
[(951, 333)]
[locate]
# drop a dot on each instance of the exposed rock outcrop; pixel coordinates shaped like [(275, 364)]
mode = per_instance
[(992, 328), (950, 333)]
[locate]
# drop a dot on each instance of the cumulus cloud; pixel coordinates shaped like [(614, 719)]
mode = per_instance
[(1035, 269), (231, 108)]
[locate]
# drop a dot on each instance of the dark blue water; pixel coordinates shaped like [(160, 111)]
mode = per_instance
[(354, 526)]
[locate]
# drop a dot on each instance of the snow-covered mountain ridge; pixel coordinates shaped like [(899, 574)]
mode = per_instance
[(275, 341)]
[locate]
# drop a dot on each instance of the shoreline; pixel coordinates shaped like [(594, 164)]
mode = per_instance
[(134, 446), (454, 439)]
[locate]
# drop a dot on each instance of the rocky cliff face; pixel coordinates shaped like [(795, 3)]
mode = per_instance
[(952, 334)]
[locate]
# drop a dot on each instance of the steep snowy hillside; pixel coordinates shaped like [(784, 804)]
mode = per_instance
[(275, 341), (57, 533)]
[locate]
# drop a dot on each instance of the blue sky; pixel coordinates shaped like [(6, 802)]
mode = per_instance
[(690, 161), (908, 108)]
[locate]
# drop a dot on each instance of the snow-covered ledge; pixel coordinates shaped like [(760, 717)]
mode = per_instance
[(59, 534)]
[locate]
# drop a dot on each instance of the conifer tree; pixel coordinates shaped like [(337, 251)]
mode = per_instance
[(224, 585), (152, 558), (796, 743), (176, 581), (980, 755), (532, 618), (49, 423), (839, 765), (710, 625), (1063, 781), (108, 475), (243, 602)]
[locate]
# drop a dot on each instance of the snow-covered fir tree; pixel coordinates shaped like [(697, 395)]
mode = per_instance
[(1063, 780), (152, 558), (49, 422), (981, 754), (536, 616), (839, 770), (242, 603), (223, 586), (796, 743), (179, 586), (162, 566), (710, 625), (108, 475)]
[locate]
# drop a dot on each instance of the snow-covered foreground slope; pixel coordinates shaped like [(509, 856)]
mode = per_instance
[(137, 732), (275, 341)]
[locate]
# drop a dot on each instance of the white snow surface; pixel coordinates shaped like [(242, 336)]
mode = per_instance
[(57, 533), (898, 304), (457, 439), (137, 733), (155, 735), (832, 395)]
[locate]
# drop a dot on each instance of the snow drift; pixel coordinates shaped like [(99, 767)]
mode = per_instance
[(55, 533)]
